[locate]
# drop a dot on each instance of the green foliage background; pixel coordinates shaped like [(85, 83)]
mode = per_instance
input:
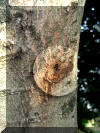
[(89, 69)]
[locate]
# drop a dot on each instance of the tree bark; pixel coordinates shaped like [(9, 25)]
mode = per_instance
[(41, 65)]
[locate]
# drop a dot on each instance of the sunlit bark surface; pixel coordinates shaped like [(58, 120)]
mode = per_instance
[(41, 65)]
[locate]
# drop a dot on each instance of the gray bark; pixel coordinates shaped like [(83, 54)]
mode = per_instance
[(41, 66)]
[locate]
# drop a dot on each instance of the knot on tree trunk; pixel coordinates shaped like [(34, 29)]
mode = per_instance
[(53, 69)]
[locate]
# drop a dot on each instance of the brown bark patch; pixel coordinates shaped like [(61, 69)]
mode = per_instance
[(53, 68), (55, 72)]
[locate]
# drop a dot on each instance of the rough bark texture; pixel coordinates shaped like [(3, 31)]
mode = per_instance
[(41, 65)]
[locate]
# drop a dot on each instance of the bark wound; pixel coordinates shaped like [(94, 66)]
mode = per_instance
[(53, 67), (55, 73)]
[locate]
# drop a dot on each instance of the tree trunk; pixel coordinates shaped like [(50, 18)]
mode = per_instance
[(41, 65)]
